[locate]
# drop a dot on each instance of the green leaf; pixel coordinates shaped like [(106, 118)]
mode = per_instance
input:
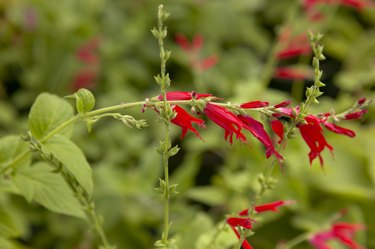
[(8, 227), (10, 148), (72, 157), (85, 100), (210, 195), (6, 244), (48, 112), (49, 189)]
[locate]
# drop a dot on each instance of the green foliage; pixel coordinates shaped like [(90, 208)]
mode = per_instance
[(47, 113), (10, 149), (38, 183), (71, 156), (53, 46)]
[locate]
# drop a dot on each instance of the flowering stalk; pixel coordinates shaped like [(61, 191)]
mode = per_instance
[(167, 114)]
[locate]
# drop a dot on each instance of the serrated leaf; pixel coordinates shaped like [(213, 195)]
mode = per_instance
[(10, 148), (73, 159), (48, 112), (49, 189)]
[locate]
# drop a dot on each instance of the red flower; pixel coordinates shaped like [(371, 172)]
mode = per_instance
[(257, 129), (87, 54), (246, 222), (184, 96), (312, 133), (226, 120), (193, 51), (185, 120), (254, 104), (273, 206), (355, 115), (183, 42), (283, 104), (338, 129), (278, 128), (293, 46), (341, 231), (293, 73)]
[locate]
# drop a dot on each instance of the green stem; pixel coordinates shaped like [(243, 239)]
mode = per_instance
[(297, 240)]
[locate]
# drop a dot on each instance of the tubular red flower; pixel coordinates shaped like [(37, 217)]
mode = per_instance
[(207, 63), (341, 231), (185, 120), (239, 221), (226, 120), (293, 46), (355, 115), (183, 42), (245, 243), (254, 104), (283, 104), (273, 206), (257, 129), (184, 96), (278, 128), (197, 41), (312, 133), (293, 73), (338, 129)]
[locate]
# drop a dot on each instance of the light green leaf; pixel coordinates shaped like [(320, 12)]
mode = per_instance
[(72, 157), (8, 227), (6, 244), (10, 148), (209, 195), (48, 112), (48, 189)]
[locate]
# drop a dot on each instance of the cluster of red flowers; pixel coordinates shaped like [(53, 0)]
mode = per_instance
[(292, 45), (87, 55), (246, 222), (312, 12), (231, 123), (311, 130), (234, 124), (193, 51), (341, 231)]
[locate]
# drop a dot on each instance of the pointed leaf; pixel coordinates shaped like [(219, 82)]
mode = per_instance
[(10, 148), (49, 189), (72, 157), (48, 112)]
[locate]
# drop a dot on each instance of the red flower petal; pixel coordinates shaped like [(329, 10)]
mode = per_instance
[(254, 104), (226, 120), (257, 129), (312, 133), (293, 73), (184, 96), (338, 129), (355, 115), (185, 120), (197, 42), (278, 128), (183, 42), (242, 222)]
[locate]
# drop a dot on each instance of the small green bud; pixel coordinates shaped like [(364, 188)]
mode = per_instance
[(155, 33), (85, 100), (173, 151)]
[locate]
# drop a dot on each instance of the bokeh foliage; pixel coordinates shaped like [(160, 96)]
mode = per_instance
[(39, 41)]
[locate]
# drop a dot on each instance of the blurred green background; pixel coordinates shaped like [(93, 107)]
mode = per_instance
[(107, 46)]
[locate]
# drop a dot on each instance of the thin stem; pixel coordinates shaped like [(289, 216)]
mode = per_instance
[(295, 241)]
